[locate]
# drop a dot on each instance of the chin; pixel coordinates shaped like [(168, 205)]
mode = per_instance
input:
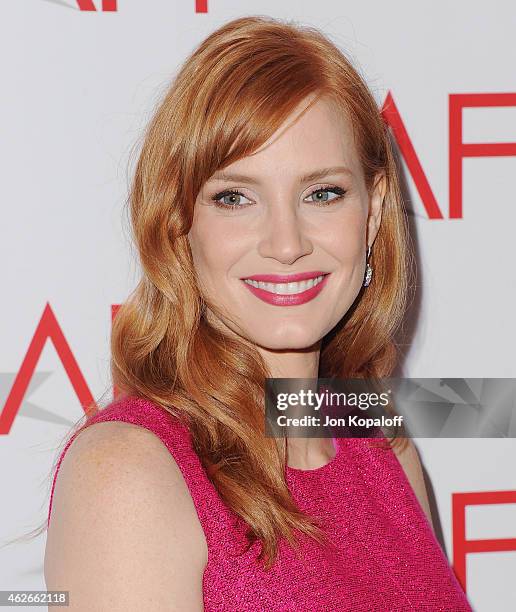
[(285, 339), (279, 335)]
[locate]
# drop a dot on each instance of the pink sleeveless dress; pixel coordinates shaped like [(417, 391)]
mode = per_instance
[(386, 557)]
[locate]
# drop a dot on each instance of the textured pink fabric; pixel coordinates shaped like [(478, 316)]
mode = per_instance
[(386, 557)]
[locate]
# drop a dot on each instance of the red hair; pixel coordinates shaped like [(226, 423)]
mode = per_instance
[(230, 96)]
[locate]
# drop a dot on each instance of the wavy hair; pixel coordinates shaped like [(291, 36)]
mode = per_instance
[(229, 97)]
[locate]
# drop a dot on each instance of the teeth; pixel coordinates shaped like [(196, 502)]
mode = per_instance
[(285, 288)]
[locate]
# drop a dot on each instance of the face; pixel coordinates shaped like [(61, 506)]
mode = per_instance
[(279, 238)]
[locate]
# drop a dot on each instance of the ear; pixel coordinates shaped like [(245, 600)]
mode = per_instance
[(376, 200)]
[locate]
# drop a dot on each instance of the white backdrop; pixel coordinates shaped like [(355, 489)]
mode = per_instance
[(78, 86)]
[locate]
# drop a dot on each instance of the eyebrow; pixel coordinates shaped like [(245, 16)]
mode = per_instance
[(312, 176)]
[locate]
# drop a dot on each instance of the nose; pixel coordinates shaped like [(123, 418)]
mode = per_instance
[(283, 237)]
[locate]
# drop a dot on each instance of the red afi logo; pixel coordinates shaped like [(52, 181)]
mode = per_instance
[(458, 150), (201, 6), (461, 545)]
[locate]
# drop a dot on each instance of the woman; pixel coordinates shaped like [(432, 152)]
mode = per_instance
[(265, 179)]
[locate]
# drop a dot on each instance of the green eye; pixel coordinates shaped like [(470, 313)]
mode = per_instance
[(322, 195), (233, 196)]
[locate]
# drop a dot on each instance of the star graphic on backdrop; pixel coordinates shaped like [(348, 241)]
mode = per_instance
[(458, 407), (27, 408), (72, 5)]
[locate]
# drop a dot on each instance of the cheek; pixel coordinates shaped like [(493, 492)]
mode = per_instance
[(345, 240), (212, 253), (200, 246)]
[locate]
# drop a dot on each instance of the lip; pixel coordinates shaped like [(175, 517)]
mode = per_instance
[(290, 299), (284, 278)]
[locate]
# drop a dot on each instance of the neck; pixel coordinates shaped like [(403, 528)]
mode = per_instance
[(303, 453), (302, 363)]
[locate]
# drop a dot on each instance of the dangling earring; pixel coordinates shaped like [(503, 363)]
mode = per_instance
[(369, 270)]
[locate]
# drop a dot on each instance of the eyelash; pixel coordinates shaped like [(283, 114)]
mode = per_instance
[(217, 196)]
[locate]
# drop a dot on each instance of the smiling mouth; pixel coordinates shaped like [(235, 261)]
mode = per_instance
[(291, 288)]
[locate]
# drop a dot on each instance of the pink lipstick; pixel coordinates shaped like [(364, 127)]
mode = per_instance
[(286, 289)]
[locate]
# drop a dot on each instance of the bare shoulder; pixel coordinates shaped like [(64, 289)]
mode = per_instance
[(124, 533), (408, 456)]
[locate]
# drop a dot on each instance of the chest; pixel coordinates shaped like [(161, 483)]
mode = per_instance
[(375, 556)]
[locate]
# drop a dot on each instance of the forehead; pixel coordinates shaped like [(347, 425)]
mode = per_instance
[(313, 137)]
